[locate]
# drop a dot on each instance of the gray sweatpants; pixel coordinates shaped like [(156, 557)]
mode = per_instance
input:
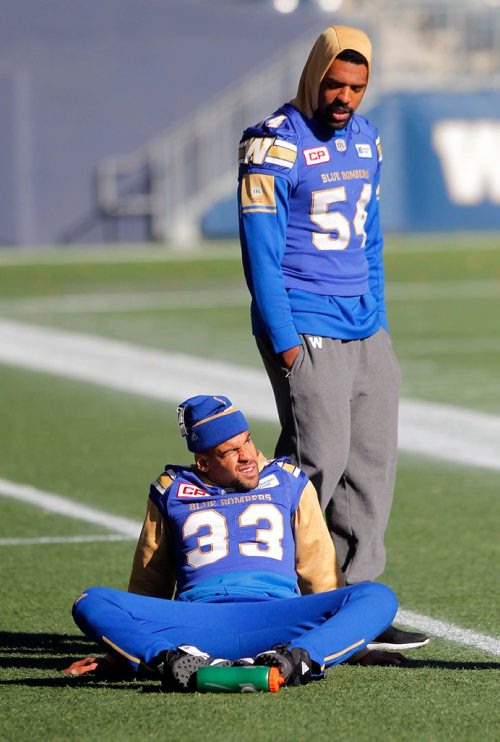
[(338, 409)]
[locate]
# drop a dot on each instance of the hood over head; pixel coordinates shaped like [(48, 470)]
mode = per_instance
[(330, 43)]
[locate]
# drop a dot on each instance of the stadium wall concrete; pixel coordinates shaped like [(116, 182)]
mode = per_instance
[(85, 79)]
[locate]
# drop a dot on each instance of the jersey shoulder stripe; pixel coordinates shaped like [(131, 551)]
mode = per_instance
[(163, 482), (273, 151), (293, 470), (270, 145)]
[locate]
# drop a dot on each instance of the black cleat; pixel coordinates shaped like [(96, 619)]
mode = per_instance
[(394, 638), (178, 667), (294, 664)]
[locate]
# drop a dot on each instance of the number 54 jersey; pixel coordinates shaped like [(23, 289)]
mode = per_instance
[(310, 227), (232, 545)]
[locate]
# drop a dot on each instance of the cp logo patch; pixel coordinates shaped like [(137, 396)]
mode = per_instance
[(316, 155)]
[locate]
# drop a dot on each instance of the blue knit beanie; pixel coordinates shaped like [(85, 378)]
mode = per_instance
[(207, 421)]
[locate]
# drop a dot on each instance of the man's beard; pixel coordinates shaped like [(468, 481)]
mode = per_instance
[(244, 485), (324, 117)]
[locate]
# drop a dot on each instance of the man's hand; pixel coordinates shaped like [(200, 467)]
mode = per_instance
[(287, 357), (378, 657), (89, 664)]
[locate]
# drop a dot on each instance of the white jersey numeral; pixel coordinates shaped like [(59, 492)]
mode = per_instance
[(336, 229), (214, 545), (270, 537)]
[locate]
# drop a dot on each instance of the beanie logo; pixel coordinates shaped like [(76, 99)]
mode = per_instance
[(180, 421), (316, 155), (191, 490)]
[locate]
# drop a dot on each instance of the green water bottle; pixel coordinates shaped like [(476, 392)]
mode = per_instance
[(238, 679)]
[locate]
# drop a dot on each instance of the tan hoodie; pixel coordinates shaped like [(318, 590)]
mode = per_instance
[(330, 43)]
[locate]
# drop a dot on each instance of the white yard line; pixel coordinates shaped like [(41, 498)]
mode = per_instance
[(468, 638), (102, 254), (43, 540), (213, 298), (130, 302), (145, 253), (443, 290), (456, 346), (62, 506), (441, 431)]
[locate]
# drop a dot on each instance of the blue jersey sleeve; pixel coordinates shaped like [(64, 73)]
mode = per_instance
[(374, 246), (268, 154), (262, 235)]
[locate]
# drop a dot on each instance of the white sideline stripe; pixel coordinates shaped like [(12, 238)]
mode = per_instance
[(102, 254), (468, 638), (143, 253), (63, 506), (443, 290), (454, 346), (42, 540), (213, 298), (57, 504), (131, 302), (450, 433), (441, 431)]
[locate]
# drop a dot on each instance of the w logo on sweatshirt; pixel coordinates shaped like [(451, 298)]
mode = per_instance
[(315, 341)]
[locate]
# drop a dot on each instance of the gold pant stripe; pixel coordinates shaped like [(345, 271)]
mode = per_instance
[(347, 649), (120, 651)]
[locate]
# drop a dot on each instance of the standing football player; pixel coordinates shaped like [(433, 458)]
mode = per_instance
[(312, 253)]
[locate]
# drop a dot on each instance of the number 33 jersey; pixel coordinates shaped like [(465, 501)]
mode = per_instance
[(232, 545)]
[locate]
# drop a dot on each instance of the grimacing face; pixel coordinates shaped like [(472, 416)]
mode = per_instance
[(232, 463), (340, 93)]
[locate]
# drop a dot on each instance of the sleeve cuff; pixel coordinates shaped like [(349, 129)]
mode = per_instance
[(284, 338)]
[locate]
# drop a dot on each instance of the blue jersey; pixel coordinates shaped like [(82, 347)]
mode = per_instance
[(231, 545), (310, 231)]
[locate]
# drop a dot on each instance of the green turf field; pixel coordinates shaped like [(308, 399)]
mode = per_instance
[(100, 447)]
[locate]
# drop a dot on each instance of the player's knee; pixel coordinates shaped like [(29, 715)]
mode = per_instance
[(385, 598), (86, 602), (380, 596)]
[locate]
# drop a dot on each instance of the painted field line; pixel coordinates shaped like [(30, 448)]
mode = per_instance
[(214, 298), (122, 254), (62, 506), (450, 433), (443, 290), (130, 302), (456, 634), (450, 346), (227, 249), (42, 540)]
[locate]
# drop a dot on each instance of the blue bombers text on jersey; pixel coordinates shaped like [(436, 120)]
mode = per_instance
[(232, 545)]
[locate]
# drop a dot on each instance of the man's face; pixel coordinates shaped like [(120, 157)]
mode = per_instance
[(340, 93), (231, 464)]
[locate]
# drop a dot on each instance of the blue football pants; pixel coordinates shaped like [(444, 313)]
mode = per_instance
[(331, 626)]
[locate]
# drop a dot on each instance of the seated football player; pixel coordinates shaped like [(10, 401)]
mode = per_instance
[(241, 544)]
